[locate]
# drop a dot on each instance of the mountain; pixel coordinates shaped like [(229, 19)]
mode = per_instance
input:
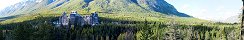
[(160, 6), (118, 20), (107, 6), (26, 6)]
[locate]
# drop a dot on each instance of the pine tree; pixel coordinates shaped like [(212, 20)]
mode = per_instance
[(23, 32), (242, 19), (207, 36)]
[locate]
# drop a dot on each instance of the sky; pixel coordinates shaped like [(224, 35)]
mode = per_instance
[(5, 3), (208, 9), (203, 9)]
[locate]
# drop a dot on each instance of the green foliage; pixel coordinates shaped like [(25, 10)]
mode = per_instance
[(207, 35), (119, 26)]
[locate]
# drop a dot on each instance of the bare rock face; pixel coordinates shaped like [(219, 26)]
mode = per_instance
[(160, 6), (140, 6), (24, 7)]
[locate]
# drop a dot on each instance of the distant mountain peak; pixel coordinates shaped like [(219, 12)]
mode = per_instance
[(163, 7)]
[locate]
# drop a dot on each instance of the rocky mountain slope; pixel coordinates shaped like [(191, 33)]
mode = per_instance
[(107, 6)]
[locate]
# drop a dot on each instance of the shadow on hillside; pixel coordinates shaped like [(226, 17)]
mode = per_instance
[(99, 31), (34, 22), (9, 17), (49, 20), (202, 28), (109, 28)]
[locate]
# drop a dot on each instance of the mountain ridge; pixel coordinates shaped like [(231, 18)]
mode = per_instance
[(144, 6)]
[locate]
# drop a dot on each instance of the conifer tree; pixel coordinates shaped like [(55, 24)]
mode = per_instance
[(242, 16)]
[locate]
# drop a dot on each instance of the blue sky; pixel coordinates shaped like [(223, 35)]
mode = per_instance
[(208, 9), (203, 9)]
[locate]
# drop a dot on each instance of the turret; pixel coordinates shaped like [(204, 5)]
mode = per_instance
[(95, 18), (72, 17), (64, 20)]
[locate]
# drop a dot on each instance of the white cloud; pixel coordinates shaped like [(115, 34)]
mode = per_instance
[(39, 1)]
